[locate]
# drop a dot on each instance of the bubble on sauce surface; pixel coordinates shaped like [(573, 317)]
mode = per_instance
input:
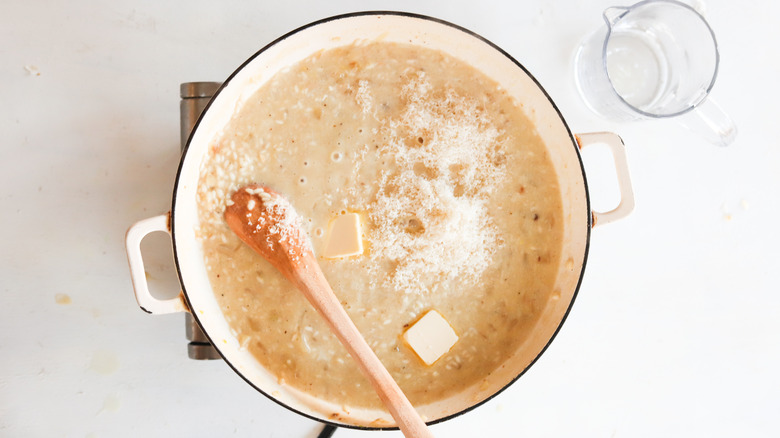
[(414, 226), (336, 156)]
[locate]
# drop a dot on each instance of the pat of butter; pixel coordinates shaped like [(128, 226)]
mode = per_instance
[(344, 238), (431, 337)]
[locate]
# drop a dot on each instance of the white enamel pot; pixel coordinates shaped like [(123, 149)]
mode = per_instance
[(563, 147)]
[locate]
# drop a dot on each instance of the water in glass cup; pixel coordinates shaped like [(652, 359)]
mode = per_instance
[(655, 59), (637, 69)]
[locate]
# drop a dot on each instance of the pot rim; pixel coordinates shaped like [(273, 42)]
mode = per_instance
[(470, 33)]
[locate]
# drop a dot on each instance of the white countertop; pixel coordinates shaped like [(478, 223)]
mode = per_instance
[(675, 332)]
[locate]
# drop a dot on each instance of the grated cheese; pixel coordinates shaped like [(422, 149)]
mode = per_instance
[(287, 226), (431, 215)]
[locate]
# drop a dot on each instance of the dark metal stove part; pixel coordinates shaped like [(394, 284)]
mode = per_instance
[(194, 98)]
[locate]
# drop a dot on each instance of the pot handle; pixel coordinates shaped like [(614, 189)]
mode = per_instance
[(146, 300), (618, 150)]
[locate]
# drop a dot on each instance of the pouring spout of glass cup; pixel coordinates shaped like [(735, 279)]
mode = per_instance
[(655, 59), (613, 13)]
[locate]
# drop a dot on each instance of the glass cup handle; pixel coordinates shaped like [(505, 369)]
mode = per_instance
[(711, 122)]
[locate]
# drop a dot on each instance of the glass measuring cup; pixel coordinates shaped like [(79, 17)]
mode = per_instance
[(655, 59)]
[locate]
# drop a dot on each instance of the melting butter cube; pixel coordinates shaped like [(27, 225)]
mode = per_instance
[(431, 337), (344, 238)]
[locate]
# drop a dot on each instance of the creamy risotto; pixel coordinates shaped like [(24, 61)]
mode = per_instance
[(459, 204)]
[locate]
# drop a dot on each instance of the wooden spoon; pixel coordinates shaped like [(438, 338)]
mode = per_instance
[(266, 222)]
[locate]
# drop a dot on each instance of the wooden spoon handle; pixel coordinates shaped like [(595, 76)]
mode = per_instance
[(312, 282)]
